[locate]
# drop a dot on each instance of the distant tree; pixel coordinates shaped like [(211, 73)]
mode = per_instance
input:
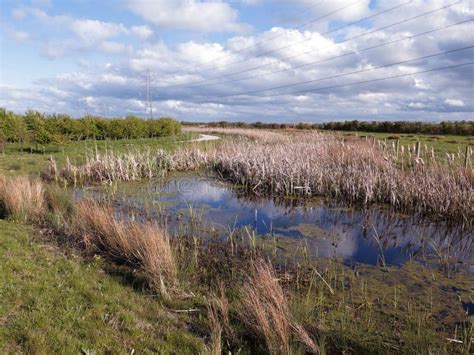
[(38, 134), (134, 127), (3, 142)]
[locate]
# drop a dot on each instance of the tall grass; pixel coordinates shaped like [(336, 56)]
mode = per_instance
[(130, 166), (265, 310), (22, 198), (142, 244), (352, 171)]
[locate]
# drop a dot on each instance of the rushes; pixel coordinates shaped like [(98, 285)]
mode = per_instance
[(265, 310), (130, 166), (143, 245), (22, 198), (353, 171)]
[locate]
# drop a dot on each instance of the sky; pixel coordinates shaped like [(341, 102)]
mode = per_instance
[(247, 60)]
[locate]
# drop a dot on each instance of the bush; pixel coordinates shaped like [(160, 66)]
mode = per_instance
[(40, 130)]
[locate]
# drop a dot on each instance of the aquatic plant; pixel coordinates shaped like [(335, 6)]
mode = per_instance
[(130, 166), (352, 171)]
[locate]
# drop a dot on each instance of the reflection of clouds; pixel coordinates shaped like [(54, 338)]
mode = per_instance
[(352, 230), (196, 189), (339, 242)]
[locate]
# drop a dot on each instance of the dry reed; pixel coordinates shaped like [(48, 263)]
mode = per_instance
[(354, 171), (21, 197), (140, 244), (349, 170), (130, 166), (265, 310)]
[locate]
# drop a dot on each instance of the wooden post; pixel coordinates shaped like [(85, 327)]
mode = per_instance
[(417, 150)]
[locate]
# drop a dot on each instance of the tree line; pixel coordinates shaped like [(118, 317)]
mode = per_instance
[(37, 129), (463, 128)]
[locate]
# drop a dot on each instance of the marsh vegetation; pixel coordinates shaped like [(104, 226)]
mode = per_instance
[(240, 288)]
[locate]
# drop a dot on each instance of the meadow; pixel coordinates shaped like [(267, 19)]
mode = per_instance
[(150, 291)]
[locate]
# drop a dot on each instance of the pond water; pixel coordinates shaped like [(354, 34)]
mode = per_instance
[(369, 236)]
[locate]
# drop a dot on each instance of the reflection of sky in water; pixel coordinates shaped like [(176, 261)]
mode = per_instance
[(350, 235)]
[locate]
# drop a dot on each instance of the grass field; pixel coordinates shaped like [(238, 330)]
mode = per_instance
[(47, 291), (54, 301), (16, 162), (441, 144)]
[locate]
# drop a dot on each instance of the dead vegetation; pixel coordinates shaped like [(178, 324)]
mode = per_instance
[(264, 308), (130, 166), (22, 198), (144, 245), (352, 171)]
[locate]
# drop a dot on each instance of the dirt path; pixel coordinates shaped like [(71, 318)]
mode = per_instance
[(205, 137)]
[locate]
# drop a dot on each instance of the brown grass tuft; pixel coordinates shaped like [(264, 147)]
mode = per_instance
[(22, 198), (144, 245), (265, 310)]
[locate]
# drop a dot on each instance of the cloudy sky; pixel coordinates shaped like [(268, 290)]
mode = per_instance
[(247, 60)]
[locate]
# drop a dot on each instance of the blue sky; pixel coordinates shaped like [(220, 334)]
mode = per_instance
[(206, 56)]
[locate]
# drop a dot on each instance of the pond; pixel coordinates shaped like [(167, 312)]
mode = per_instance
[(370, 236)]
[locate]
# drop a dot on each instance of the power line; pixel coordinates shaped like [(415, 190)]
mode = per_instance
[(345, 74), (336, 57), (307, 39), (269, 39), (373, 80), (316, 49), (148, 94), (359, 71)]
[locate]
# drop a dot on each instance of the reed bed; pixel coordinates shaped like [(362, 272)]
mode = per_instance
[(353, 171), (130, 166), (22, 198), (260, 308)]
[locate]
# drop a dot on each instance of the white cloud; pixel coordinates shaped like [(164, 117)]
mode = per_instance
[(114, 47), (142, 32), (417, 105), (118, 86), (203, 16), (349, 9), (454, 102), (19, 36), (19, 13), (93, 30)]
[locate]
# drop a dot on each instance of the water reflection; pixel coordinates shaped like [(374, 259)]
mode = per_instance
[(365, 236)]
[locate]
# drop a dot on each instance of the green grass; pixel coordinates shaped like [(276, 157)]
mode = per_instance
[(440, 143), (16, 162), (57, 302)]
